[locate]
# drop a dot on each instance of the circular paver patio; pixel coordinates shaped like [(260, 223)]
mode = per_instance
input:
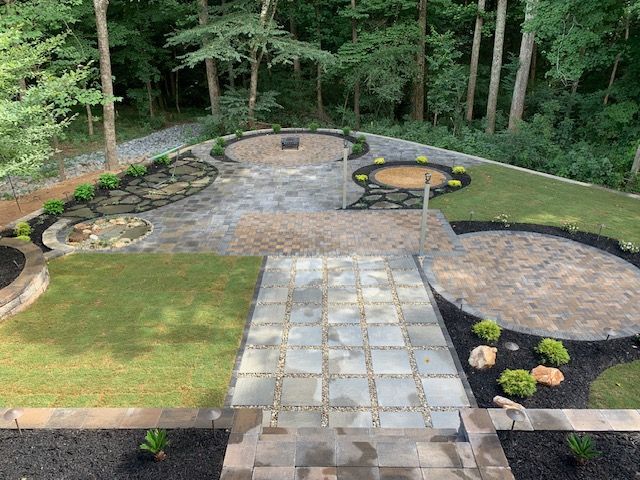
[(541, 284)]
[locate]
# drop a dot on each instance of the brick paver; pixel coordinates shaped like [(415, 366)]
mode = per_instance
[(541, 284)]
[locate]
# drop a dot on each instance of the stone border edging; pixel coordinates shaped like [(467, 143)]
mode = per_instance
[(570, 420), (30, 284)]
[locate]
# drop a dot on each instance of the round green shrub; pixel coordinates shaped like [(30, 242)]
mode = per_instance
[(239, 133), (346, 131), (276, 127), (518, 383), (454, 183), (220, 141), (108, 181), (84, 192), (357, 149), (488, 330), (164, 160), (458, 170), (313, 126), (53, 207), (553, 352), (362, 139), (24, 238), (136, 170), (22, 229), (217, 150)]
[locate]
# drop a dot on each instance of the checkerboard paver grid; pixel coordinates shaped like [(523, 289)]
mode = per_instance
[(370, 367)]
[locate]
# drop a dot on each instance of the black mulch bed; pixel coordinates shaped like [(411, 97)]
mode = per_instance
[(11, 264), (545, 455), (377, 196), (588, 360), (193, 454), (604, 243)]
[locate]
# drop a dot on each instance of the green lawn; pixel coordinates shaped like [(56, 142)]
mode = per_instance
[(129, 330), (617, 387), (531, 198)]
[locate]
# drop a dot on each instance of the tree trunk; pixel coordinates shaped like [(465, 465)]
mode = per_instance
[(297, 67), (212, 69), (230, 72), (636, 163), (89, 119), (267, 12), (356, 87), (616, 64), (496, 66), (522, 76), (319, 101), (177, 91), (475, 56), (152, 112), (419, 85), (534, 61), (62, 174), (109, 111)]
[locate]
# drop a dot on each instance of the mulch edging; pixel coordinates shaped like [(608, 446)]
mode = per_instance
[(12, 261), (545, 454), (193, 454)]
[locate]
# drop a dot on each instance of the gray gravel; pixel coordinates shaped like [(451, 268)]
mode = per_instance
[(128, 152)]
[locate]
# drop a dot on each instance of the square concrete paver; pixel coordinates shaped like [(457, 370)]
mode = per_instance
[(438, 455), (269, 313), (418, 314), (445, 392), (350, 419), (339, 278), (259, 360), (438, 362), (275, 454), (279, 278), (408, 278), (264, 335), (345, 336), (305, 314), (305, 336), (301, 392), (279, 263), (400, 473), (347, 362), (343, 314), (401, 420), (316, 453), (342, 295), (381, 313), (412, 295), (339, 263), (377, 295), (356, 453), (549, 419), (397, 392), (254, 391), (623, 420), (273, 295), (374, 278), (385, 336), (349, 392), (307, 295), (308, 278), (358, 473), (445, 419), (298, 419), (311, 263), (587, 420), (426, 335), (397, 454), (390, 362), (269, 473), (303, 361)]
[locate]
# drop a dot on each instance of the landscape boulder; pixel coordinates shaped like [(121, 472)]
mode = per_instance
[(549, 376), (504, 402), (483, 357)]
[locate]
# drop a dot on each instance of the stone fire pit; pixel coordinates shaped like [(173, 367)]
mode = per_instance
[(108, 233)]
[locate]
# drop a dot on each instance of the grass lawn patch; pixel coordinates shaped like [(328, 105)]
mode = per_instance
[(139, 330), (617, 387), (529, 198)]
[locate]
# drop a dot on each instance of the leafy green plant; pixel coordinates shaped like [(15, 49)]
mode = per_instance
[(217, 150), (503, 219), (553, 352), (454, 183), (136, 170), (346, 131), (422, 160), (155, 441), (362, 139), (570, 227), (109, 181), (357, 149), (488, 330), (379, 161), (583, 448), (84, 192), (276, 127), (313, 127), (53, 207), (458, 170), (22, 229), (629, 247), (24, 238), (362, 178), (239, 133), (220, 141), (518, 383), (164, 160)]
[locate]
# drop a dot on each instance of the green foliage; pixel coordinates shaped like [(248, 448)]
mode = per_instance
[(108, 181), (84, 192), (22, 229), (362, 178), (313, 127), (362, 139), (518, 383), (379, 161), (164, 160), (24, 238), (217, 150), (357, 149), (422, 160), (53, 207), (458, 170), (155, 442), (628, 247), (346, 131), (553, 352), (570, 227), (502, 219), (276, 127), (239, 133), (488, 330), (454, 183), (136, 170), (220, 142), (582, 447)]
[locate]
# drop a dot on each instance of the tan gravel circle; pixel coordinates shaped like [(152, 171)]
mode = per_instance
[(409, 177)]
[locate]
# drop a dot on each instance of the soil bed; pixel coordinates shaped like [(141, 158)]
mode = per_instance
[(588, 361), (542, 455), (11, 264), (603, 243), (110, 454)]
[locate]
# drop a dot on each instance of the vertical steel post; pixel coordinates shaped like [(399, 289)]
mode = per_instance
[(425, 208), (345, 156)]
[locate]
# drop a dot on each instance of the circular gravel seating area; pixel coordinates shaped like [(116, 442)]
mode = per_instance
[(108, 233), (315, 149), (408, 177)]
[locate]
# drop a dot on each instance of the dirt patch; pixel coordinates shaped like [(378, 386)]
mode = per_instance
[(411, 178), (11, 264)]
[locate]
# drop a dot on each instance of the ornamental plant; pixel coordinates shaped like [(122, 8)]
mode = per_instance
[(217, 150), (84, 192), (629, 247), (220, 141), (553, 352), (108, 181), (362, 139), (24, 238), (53, 207), (136, 170), (239, 133), (164, 160), (422, 160), (276, 127), (313, 126), (503, 218), (454, 183), (583, 448), (458, 170), (346, 131), (518, 383), (362, 178), (22, 229), (155, 441), (570, 227), (379, 161), (488, 330), (357, 149)]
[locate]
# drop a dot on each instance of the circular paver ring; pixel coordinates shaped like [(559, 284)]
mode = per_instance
[(540, 284), (315, 149)]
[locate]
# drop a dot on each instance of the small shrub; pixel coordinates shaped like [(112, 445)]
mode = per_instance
[(220, 141), (458, 170), (503, 219), (454, 183), (84, 192), (162, 160), (570, 227), (53, 207), (379, 161), (488, 330), (362, 139), (217, 150), (422, 160), (357, 149), (155, 441), (109, 181), (518, 383), (362, 178), (22, 229), (629, 247), (346, 131), (239, 133), (276, 127), (136, 170), (553, 352), (24, 238), (583, 448), (313, 126)]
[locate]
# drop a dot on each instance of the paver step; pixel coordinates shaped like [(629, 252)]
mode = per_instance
[(359, 434)]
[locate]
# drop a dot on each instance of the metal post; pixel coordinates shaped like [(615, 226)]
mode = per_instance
[(425, 207), (15, 197), (345, 156)]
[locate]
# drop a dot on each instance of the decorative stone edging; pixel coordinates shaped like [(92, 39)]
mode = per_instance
[(570, 420), (50, 239), (30, 284)]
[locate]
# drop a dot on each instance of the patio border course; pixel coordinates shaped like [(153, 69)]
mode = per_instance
[(570, 420)]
